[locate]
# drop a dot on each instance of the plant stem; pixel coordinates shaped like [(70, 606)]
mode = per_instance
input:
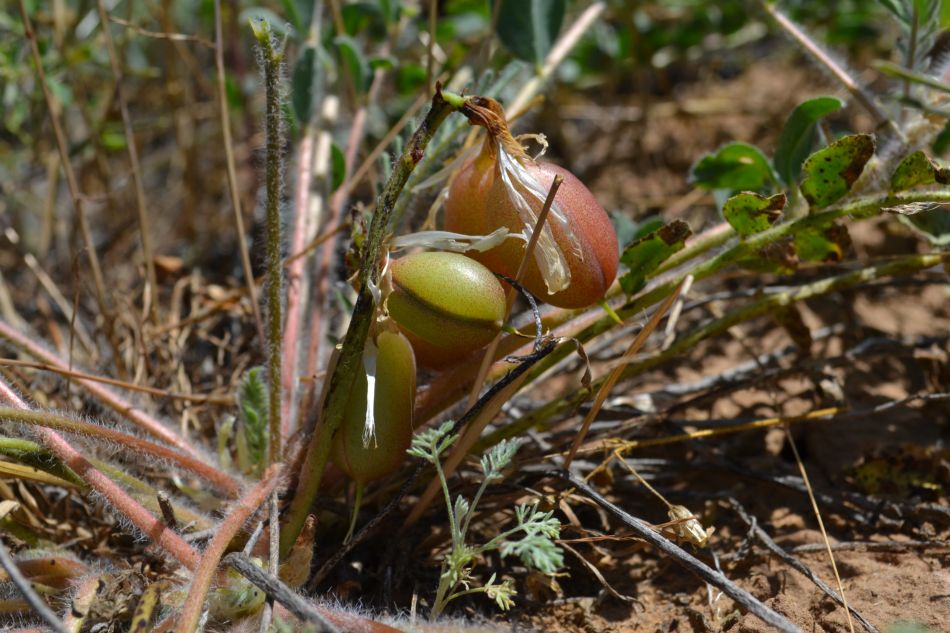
[(272, 60), (901, 265), (349, 363), (204, 573), (214, 476)]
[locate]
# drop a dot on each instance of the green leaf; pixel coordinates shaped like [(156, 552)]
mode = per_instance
[(338, 166), (644, 255), (305, 74), (917, 170), (353, 58), (734, 166), (749, 213), (528, 28), (798, 136), (252, 400), (827, 243), (831, 172)]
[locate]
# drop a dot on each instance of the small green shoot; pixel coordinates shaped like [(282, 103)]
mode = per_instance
[(536, 548)]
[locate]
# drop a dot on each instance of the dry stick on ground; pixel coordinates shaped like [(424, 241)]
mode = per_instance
[(39, 605), (106, 396), (233, 190), (795, 563), (239, 513), (279, 592), (742, 597), (73, 186), (151, 299), (141, 518)]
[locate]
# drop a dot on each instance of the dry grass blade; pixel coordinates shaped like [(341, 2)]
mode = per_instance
[(617, 371), (150, 300), (233, 190)]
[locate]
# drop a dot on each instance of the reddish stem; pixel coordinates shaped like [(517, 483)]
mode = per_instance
[(214, 476), (141, 518), (108, 397), (204, 574)]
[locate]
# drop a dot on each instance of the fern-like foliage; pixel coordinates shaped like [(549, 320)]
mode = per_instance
[(252, 399), (919, 21)]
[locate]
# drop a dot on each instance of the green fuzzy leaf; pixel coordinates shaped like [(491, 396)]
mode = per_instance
[(644, 255), (252, 400), (917, 170), (750, 213), (734, 166), (831, 172), (304, 78), (798, 136), (529, 28)]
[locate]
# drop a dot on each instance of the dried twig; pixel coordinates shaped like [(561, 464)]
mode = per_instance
[(683, 558), (795, 563)]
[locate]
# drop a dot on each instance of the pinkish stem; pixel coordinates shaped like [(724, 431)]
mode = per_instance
[(161, 534), (204, 574), (216, 477), (108, 397)]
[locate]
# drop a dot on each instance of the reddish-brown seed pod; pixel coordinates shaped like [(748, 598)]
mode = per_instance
[(394, 400), (480, 201), (446, 304)]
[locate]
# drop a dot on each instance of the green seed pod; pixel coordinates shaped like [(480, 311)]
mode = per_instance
[(394, 401), (448, 305)]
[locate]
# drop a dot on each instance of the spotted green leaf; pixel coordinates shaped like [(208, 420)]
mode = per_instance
[(644, 255), (917, 170), (798, 136), (827, 243), (734, 166), (830, 173), (749, 213)]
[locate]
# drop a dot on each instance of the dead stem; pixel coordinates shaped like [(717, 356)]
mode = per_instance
[(233, 190), (150, 299)]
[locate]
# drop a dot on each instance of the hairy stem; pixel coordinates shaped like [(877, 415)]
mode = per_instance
[(204, 574), (221, 480), (272, 60), (348, 365)]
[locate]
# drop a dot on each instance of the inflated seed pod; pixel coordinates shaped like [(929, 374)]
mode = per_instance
[(448, 305), (394, 400), (577, 256)]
